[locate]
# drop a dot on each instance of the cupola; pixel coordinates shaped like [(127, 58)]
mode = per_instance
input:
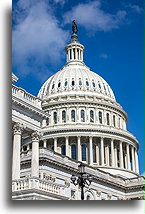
[(74, 50)]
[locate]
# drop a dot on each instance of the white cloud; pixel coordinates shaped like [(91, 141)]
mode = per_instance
[(136, 8), (38, 41), (104, 56), (93, 18)]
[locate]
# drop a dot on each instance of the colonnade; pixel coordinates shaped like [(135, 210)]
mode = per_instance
[(74, 54), (107, 152), (99, 151), (35, 137)]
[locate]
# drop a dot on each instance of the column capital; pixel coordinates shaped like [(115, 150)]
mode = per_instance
[(18, 128), (35, 136)]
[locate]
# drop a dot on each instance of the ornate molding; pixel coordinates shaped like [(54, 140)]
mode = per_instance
[(98, 193), (18, 128), (35, 136)]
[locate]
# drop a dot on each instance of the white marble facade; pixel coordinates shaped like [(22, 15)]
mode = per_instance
[(74, 119)]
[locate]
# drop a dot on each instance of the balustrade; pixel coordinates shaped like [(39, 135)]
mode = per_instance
[(29, 183), (21, 93)]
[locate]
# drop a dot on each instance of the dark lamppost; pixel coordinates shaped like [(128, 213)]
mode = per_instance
[(82, 180)]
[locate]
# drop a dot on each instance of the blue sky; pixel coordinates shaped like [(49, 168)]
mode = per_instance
[(110, 30)]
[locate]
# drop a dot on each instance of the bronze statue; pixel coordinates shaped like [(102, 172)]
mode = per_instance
[(74, 27)]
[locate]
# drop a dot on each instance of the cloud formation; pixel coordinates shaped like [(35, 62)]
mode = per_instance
[(104, 56), (136, 8), (37, 40), (93, 18)]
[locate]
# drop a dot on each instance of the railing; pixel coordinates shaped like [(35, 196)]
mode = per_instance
[(49, 187), (22, 94), (32, 183)]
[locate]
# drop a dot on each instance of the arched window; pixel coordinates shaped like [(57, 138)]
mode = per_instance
[(63, 150), (114, 120), (104, 88), (87, 83), (65, 84), (99, 85), (82, 116), (93, 84), (25, 148), (55, 117), (73, 152), (100, 117), (80, 82), (59, 84), (83, 152), (73, 115), (73, 82), (64, 116), (70, 55), (92, 116), (108, 120), (52, 148), (53, 86)]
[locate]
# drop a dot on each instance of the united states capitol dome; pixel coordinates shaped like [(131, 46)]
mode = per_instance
[(75, 77)]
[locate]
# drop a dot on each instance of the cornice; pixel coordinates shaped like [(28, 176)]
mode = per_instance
[(87, 129), (30, 107)]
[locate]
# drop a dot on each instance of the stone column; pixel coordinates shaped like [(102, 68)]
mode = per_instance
[(136, 162), (55, 145), (44, 123), (45, 143), (112, 153), (35, 154), (107, 155), (17, 130), (68, 55), (76, 57), (121, 155), (82, 55), (102, 151), (133, 160), (90, 150), (79, 154), (79, 54), (67, 145), (128, 156), (97, 154), (115, 152)]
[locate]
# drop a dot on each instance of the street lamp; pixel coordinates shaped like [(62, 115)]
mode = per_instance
[(82, 180)]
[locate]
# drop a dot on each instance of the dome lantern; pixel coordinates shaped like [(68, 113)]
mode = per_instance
[(74, 50)]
